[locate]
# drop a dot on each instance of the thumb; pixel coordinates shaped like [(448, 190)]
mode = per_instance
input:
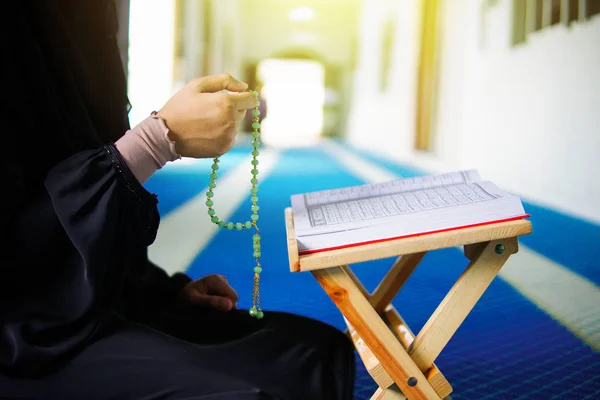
[(216, 83)]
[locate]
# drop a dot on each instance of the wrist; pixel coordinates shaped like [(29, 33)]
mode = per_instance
[(165, 120), (147, 147), (169, 152)]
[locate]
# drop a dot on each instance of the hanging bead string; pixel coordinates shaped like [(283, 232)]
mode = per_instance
[(255, 310)]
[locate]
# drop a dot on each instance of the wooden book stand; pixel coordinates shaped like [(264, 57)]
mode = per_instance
[(401, 363)]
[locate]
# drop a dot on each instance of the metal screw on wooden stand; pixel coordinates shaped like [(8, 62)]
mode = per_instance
[(412, 381), (499, 249)]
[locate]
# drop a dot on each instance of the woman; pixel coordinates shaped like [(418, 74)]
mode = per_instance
[(83, 313)]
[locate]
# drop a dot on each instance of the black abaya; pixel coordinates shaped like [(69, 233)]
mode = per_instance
[(234, 356), (83, 313)]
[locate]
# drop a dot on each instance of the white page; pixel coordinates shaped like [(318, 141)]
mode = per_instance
[(385, 209), (306, 200), (352, 212)]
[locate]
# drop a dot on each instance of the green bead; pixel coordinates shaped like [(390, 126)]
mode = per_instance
[(260, 314), (238, 226), (209, 194), (209, 203), (255, 134), (255, 208), (248, 224), (212, 185), (256, 113), (254, 199), (253, 312), (254, 162), (254, 92), (258, 270), (255, 153), (256, 246), (254, 171), (255, 125), (215, 219), (215, 166), (211, 212), (221, 224), (254, 190), (230, 225), (254, 181), (256, 254), (254, 217), (213, 175), (256, 237)]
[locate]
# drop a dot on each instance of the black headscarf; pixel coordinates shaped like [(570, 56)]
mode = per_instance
[(63, 85)]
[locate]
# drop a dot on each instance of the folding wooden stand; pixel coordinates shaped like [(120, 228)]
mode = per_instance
[(401, 363)]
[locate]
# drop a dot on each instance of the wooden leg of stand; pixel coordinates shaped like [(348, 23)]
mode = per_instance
[(360, 287), (394, 280), (375, 334), (371, 363), (391, 393), (435, 377), (459, 302), (402, 332), (356, 281)]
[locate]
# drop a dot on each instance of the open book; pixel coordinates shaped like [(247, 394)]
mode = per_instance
[(369, 213)]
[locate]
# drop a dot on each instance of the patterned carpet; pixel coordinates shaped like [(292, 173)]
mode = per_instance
[(512, 346)]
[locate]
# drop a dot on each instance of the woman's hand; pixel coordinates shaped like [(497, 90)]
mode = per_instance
[(202, 120), (210, 291)]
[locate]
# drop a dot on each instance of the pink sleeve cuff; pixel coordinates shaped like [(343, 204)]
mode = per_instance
[(147, 147)]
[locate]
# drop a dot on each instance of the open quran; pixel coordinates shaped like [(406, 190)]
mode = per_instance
[(357, 215)]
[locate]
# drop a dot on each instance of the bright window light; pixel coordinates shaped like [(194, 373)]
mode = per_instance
[(301, 14), (151, 42), (294, 92)]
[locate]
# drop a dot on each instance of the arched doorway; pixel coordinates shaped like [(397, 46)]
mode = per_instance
[(294, 92), (294, 88)]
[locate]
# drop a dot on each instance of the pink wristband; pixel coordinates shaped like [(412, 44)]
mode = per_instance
[(147, 147)]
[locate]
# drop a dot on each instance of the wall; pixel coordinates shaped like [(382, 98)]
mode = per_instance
[(226, 37), (192, 59), (384, 121), (526, 117), (222, 44)]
